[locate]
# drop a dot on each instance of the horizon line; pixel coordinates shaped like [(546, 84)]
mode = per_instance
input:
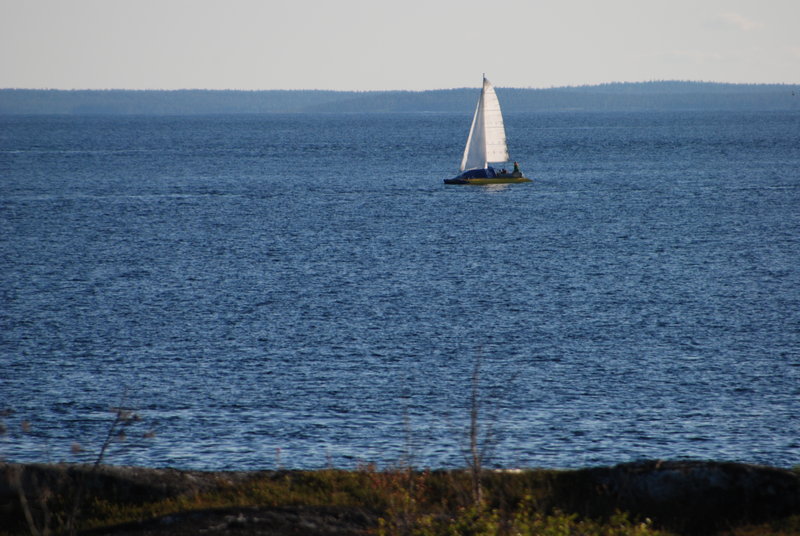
[(573, 86)]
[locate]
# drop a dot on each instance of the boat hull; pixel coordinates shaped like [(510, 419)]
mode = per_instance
[(479, 181)]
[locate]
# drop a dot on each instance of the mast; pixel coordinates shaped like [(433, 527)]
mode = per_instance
[(487, 136)]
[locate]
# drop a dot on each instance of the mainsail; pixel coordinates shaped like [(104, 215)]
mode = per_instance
[(487, 136)]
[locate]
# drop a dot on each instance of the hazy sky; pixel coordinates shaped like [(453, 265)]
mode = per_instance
[(398, 44)]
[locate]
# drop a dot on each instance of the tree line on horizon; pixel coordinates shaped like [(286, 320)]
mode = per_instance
[(628, 96)]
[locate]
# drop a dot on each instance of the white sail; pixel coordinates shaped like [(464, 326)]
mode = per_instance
[(487, 136)]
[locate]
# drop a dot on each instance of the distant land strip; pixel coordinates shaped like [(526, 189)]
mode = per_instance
[(613, 97)]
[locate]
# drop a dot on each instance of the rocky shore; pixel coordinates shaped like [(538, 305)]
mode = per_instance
[(682, 497)]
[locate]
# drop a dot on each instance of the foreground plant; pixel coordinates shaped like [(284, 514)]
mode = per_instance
[(47, 512)]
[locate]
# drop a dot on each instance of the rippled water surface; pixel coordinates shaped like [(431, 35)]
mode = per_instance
[(303, 290)]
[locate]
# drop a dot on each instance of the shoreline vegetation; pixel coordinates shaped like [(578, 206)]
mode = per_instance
[(641, 498), (612, 97)]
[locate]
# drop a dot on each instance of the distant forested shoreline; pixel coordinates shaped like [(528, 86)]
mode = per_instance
[(629, 96)]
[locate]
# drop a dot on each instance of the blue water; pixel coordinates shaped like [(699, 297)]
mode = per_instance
[(302, 290)]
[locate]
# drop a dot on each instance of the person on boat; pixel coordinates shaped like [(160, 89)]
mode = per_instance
[(516, 168)]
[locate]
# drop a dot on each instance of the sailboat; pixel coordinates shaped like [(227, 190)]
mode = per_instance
[(486, 145)]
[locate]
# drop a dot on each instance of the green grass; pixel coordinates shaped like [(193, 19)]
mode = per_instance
[(423, 503)]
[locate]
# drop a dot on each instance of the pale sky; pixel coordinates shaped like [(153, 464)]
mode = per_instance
[(399, 44)]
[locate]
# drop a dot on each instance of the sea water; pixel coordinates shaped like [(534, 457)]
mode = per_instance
[(303, 291)]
